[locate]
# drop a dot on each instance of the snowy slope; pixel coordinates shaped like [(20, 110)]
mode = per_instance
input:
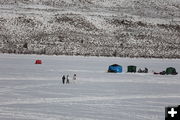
[(127, 28), (35, 92)]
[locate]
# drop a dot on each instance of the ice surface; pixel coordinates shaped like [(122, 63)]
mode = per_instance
[(35, 92)]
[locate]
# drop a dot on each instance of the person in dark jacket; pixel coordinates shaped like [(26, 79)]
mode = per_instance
[(67, 79), (63, 79)]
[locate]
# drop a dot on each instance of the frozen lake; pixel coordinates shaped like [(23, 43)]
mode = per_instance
[(35, 92)]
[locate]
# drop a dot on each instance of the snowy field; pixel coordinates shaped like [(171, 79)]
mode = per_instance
[(35, 92)]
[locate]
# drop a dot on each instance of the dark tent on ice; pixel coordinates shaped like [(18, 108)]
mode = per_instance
[(171, 71), (131, 68), (115, 68)]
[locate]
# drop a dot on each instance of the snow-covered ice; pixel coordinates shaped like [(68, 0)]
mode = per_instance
[(35, 92)]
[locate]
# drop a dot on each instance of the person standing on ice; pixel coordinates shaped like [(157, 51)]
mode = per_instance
[(63, 79), (67, 79), (74, 77)]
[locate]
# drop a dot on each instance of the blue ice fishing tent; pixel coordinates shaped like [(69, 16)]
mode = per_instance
[(115, 68)]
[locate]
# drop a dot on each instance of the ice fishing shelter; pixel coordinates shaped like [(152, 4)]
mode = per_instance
[(171, 71), (131, 68), (115, 68), (38, 62)]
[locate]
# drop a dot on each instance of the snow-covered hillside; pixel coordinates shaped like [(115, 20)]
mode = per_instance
[(128, 28), (35, 92)]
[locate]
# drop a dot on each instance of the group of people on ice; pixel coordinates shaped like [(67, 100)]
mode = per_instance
[(66, 80)]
